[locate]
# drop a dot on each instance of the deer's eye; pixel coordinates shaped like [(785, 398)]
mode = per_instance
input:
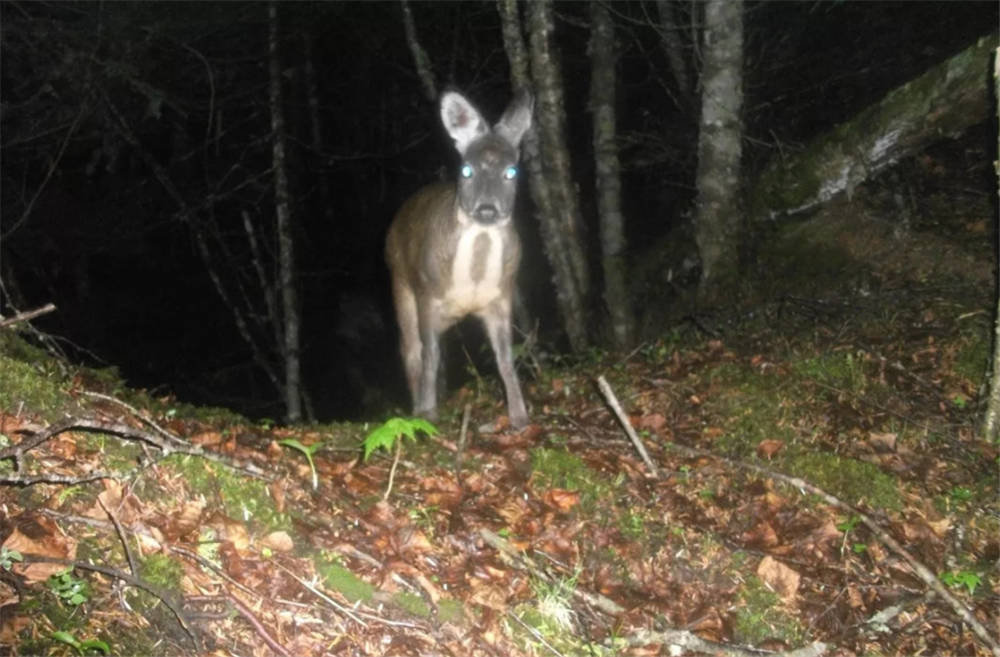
[(466, 171), (510, 173)]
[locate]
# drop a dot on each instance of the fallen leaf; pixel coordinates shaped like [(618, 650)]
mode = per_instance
[(882, 442), (654, 421), (278, 541), (206, 438), (561, 500), (768, 448), (39, 536), (761, 535), (780, 577)]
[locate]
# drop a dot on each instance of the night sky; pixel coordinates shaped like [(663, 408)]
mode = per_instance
[(95, 94)]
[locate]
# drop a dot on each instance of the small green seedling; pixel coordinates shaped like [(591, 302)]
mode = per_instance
[(8, 557), (308, 451), (82, 647), (964, 578), (70, 590), (960, 494), (395, 429)]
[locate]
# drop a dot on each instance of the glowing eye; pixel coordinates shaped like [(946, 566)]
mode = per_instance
[(466, 170), (510, 173)]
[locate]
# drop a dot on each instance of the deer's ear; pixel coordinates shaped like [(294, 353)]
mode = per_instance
[(517, 119), (462, 121)]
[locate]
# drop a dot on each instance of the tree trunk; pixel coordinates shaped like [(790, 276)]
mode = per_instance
[(286, 244), (420, 59), (718, 220), (991, 422), (944, 101), (670, 39), (602, 104), (561, 231)]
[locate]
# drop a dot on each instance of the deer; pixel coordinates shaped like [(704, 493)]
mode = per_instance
[(453, 251)]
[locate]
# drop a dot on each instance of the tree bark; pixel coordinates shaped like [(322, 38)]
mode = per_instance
[(719, 215), (420, 59), (991, 421), (286, 243), (561, 231), (602, 104), (944, 101), (670, 39)]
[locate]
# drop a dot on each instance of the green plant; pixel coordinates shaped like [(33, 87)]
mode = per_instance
[(81, 647), (394, 430), (8, 557), (554, 601), (69, 589), (308, 451), (960, 494), (965, 578)]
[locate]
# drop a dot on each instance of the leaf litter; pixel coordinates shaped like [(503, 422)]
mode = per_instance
[(556, 540)]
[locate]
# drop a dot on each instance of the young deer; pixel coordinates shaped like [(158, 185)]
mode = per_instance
[(452, 251)]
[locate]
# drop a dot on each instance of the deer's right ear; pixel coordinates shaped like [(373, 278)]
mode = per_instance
[(462, 121)]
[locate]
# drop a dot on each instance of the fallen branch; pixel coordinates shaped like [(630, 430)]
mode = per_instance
[(248, 615), (609, 395), (175, 446), (922, 571), (28, 315), (597, 600), (132, 581), (691, 642)]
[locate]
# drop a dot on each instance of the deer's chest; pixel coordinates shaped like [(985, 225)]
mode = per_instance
[(476, 270)]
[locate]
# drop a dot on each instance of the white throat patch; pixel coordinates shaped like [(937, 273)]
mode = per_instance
[(468, 292)]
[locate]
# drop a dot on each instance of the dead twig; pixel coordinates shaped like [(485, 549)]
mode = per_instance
[(132, 581), (27, 315), (597, 600), (248, 615), (922, 571), (691, 642), (616, 406)]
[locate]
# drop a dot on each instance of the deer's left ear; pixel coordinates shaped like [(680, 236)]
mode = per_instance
[(517, 119), (462, 121)]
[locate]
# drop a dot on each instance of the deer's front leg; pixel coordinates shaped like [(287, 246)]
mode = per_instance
[(497, 319), (425, 403)]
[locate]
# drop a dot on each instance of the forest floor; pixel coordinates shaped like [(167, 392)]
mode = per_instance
[(820, 486)]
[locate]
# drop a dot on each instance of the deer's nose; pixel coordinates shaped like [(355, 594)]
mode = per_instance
[(487, 213)]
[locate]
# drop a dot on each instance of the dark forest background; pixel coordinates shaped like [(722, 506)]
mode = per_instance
[(96, 96)]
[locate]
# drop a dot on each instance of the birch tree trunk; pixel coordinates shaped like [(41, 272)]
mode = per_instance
[(286, 244), (566, 250), (670, 39), (420, 59), (719, 216), (991, 422), (520, 79), (602, 104), (944, 101)]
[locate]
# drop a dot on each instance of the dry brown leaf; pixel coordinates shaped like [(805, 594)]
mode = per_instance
[(768, 448), (654, 421), (489, 595), (278, 541), (762, 535), (882, 442), (561, 500), (206, 438), (187, 518), (40, 536), (780, 577)]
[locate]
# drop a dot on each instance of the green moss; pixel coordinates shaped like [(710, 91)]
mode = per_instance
[(849, 480), (752, 408), (241, 496), (346, 583), (844, 371), (451, 611), (973, 357), (34, 387), (412, 604), (558, 468), (162, 571), (760, 616)]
